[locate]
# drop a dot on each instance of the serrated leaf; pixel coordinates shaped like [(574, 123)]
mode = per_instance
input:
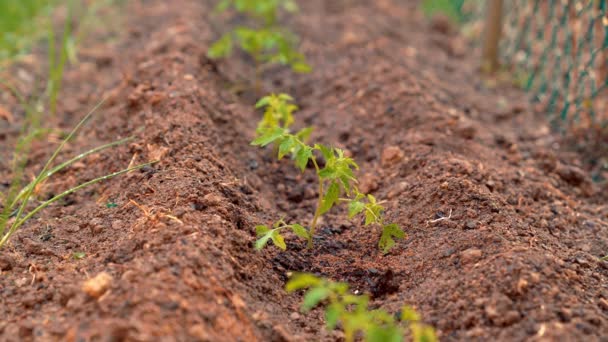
[(304, 133), (331, 197), (269, 137), (326, 173), (301, 281), (313, 297), (354, 208), (370, 217), (332, 315), (278, 239), (389, 233), (300, 231), (373, 211), (286, 146), (302, 157), (325, 151), (261, 230)]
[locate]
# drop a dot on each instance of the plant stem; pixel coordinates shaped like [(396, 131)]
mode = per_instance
[(313, 224)]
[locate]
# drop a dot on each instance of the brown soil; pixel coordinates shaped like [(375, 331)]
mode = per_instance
[(515, 259)]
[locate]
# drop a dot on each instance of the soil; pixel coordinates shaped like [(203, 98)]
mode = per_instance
[(505, 226)]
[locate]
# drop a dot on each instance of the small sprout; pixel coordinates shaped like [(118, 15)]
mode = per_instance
[(267, 44), (353, 313), (78, 255), (111, 205), (336, 178), (266, 234)]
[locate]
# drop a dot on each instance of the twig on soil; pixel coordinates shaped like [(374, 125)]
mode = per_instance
[(32, 270), (442, 218), (154, 216), (132, 162)]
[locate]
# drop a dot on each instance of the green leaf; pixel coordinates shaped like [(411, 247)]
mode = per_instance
[(286, 146), (262, 241), (285, 97), (327, 173), (261, 230), (330, 198), (389, 233), (408, 314), (354, 208), (304, 134), (269, 137), (332, 314), (313, 297), (300, 281), (78, 255), (264, 101), (327, 152), (111, 205), (221, 48), (302, 157), (373, 211), (370, 216), (290, 6), (384, 334), (300, 231), (381, 317), (301, 67), (423, 333), (222, 6), (278, 239)]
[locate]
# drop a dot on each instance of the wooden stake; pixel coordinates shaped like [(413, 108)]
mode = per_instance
[(493, 31)]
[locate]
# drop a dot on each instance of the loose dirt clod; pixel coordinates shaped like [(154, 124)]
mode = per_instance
[(97, 286), (470, 255), (6, 263), (391, 155)]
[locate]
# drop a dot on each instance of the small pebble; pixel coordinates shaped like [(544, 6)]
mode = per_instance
[(97, 286)]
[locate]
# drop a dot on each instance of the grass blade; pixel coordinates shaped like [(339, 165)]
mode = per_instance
[(18, 222), (40, 176), (66, 164)]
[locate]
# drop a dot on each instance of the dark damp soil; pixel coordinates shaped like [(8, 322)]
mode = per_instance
[(505, 229)]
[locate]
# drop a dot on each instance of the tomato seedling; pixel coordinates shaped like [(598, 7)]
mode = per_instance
[(352, 312), (267, 43), (336, 179)]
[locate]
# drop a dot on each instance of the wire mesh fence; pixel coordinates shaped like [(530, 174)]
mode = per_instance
[(558, 51)]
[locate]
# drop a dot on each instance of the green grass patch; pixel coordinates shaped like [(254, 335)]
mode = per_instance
[(22, 22)]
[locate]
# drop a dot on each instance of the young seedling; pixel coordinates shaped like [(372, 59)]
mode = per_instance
[(268, 43), (336, 177), (265, 11), (352, 312)]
